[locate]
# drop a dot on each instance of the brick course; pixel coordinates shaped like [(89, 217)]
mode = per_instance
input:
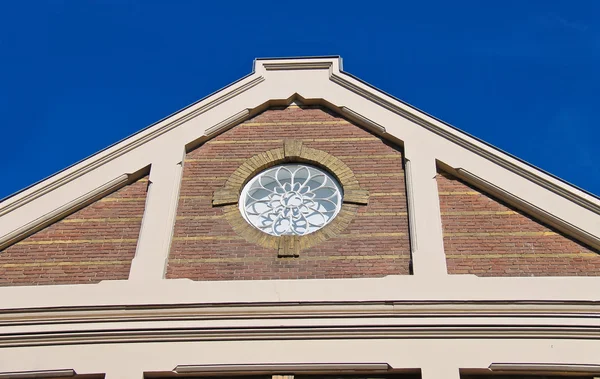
[(93, 244), (485, 237), (376, 243)]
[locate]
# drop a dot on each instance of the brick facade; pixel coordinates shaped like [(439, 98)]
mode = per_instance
[(375, 243), (93, 244), (485, 237)]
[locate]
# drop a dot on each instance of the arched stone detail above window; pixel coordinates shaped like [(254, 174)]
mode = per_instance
[(292, 151)]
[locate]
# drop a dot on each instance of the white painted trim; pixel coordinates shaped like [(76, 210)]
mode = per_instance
[(156, 232), (427, 243), (401, 320), (363, 121), (468, 142), (127, 145)]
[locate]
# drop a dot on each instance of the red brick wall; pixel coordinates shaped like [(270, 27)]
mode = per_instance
[(485, 237), (95, 243), (375, 244)]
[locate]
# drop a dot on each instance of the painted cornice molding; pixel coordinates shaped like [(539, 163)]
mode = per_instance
[(106, 324), (121, 148), (462, 139), (333, 64)]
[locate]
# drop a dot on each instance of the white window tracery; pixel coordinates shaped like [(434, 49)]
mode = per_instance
[(291, 199)]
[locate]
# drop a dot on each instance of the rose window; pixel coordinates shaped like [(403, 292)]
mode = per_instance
[(291, 199)]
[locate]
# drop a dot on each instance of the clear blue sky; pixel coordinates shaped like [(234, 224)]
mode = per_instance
[(77, 76)]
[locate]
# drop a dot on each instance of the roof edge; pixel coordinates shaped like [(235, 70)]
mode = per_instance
[(377, 95)]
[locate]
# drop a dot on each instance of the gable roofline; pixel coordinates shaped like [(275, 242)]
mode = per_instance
[(476, 138), (583, 198)]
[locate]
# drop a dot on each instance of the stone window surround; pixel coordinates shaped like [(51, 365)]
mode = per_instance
[(292, 151)]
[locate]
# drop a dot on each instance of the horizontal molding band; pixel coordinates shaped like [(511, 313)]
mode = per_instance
[(393, 312), (283, 333)]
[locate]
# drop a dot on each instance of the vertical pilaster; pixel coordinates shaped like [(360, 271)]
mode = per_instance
[(159, 219), (426, 237)]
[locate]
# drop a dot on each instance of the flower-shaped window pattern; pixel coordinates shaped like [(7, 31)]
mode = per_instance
[(291, 199)]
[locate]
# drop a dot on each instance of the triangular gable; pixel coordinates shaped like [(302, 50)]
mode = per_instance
[(425, 139)]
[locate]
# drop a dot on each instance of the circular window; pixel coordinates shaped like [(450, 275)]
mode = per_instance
[(291, 199)]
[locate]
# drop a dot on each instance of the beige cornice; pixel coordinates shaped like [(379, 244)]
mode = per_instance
[(412, 320), (127, 145), (189, 333), (464, 140)]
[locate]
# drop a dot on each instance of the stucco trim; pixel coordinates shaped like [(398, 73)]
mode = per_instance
[(121, 148), (242, 322), (462, 139)]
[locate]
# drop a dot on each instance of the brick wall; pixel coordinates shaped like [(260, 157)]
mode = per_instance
[(485, 237), (375, 244), (95, 243)]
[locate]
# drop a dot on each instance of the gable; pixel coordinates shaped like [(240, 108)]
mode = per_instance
[(206, 246), (196, 151)]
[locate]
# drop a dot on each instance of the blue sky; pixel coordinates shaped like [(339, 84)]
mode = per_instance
[(77, 76)]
